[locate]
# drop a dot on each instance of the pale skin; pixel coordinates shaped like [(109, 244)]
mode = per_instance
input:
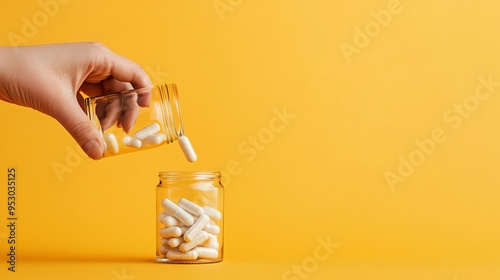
[(48, 78)]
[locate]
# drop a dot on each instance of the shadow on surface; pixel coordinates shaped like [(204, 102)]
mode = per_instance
[(87, 259)]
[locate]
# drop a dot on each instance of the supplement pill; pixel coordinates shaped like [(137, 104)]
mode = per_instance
[(175, 241), (147, 131), (185, 256), (155, 139), (111, 143), (199, 239), (195, 229), (187, 149), (132, 142), (184, 229), (213, 213), (190, 207), (170, 232), (177, 212), (207, 253), (164, 250), (212, 228), (211, 242), (170, 221), (162, 216)]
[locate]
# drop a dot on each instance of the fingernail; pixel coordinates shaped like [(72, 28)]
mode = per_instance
[(92, 149)]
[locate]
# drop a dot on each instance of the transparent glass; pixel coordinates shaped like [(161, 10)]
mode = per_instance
[(129, 124), (179, 238)]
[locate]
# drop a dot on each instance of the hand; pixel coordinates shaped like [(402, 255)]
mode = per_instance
[(48, 78)]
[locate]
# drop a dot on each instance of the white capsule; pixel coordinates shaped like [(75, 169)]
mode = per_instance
[(170, 221), (187, 149), (132, 142), (126, 140), (170, 232), (174, 210), (182, 256), (211, 242), (147, 131), (212, 228), (213, 213), (175, 241), (162, 216), (135, 143), (184, 229), (196, 227), (164, 250), (207, 253), (198, 240), (155, 139), (164, 241), (190, 207), (111, 143)]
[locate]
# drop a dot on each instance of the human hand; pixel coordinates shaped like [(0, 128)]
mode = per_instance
[(48, 78)]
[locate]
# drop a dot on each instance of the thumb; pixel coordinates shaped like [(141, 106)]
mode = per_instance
[(77, 123)]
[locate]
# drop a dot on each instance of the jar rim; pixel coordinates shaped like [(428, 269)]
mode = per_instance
[(140, 90), (182, 175)]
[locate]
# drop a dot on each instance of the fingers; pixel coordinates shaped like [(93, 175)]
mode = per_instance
[(76, 122), (118, 74), (109, 111), (107, 64), (137, 77), (92, 89), (120, 109), (105, 72), (131, 111), (127, 71)]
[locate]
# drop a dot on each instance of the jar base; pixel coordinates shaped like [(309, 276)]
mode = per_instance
[(200, 261)]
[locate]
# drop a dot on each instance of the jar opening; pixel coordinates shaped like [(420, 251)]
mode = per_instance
[(169, 97), (187, 175), (136, 91)]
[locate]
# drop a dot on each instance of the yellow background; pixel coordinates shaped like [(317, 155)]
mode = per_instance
[(321, 176)]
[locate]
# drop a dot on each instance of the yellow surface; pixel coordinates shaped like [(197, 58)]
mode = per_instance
[(365, 101)]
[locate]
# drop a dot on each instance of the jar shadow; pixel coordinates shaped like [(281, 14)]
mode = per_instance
[(87, 259)]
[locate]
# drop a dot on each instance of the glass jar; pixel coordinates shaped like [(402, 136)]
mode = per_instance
[(129, 124), (189, 217)]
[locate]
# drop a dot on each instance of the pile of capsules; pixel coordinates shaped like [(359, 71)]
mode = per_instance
[(190, 231), (147, 136)]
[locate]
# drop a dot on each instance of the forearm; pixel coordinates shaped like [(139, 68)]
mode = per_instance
[(6, 54)]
